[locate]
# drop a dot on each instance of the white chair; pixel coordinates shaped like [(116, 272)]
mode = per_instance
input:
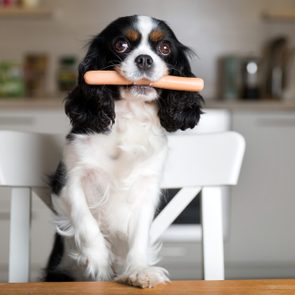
[(195, 162)]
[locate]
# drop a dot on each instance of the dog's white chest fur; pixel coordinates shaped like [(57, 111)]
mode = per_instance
[(117, 169), (117, 176)]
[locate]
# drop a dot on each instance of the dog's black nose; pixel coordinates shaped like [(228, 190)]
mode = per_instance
[(144, 62)]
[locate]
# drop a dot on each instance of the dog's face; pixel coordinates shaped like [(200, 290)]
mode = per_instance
[(144, 48), (140, 47)]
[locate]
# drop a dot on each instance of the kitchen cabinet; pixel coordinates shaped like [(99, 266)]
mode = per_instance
[(262, 237)]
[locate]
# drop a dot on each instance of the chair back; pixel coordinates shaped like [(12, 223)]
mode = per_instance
[(203, 160), (27, 159)]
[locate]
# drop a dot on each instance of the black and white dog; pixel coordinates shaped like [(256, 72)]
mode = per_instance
[(106, 188)]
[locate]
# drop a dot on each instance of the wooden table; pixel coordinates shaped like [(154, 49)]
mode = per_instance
[(257, 287)]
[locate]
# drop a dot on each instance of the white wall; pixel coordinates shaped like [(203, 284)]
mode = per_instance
[(210, 27)]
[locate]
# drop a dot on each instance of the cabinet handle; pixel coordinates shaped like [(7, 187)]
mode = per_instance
[(280, 122), (16, 121)]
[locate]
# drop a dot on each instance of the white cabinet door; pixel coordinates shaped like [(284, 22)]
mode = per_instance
[(262, 234)]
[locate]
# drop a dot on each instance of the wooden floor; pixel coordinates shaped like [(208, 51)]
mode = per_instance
[(258, 287)]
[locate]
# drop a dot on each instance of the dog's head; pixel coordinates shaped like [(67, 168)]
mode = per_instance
[(137, 47)]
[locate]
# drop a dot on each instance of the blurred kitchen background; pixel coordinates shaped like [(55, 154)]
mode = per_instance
[(245, 52)]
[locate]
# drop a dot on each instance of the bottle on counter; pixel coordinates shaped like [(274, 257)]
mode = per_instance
[(276, 61), (229, 73), (67, 73)]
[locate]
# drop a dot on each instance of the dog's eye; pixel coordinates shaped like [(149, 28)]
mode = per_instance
[(121, 46), (164, 48)]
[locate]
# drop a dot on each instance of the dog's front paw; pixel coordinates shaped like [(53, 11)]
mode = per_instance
[(146, 277), (97, 263)]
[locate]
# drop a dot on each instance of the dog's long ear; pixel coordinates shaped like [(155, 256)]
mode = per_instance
[(180, 109), (91, 108)]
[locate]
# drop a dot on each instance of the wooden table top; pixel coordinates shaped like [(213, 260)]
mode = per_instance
[(251, 287)]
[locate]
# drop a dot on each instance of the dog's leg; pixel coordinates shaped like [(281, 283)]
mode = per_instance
[(92, 250), (138, 271)]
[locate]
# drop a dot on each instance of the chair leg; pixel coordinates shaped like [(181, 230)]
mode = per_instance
[(213, 256), (19, 247)]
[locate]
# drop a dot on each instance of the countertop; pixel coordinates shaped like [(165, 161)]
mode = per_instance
[(258, 287), (255, 106), (239, 105)]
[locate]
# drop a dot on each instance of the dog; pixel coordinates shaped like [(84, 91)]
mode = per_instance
[(106, 189)]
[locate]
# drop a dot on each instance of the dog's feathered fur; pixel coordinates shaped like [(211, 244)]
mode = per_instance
[(106, 188)]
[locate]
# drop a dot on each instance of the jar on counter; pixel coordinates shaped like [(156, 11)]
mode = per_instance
[(36, 74), (11, 79), (67, 73)]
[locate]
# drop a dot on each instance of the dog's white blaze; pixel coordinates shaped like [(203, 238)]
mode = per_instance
[(145, 25)]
